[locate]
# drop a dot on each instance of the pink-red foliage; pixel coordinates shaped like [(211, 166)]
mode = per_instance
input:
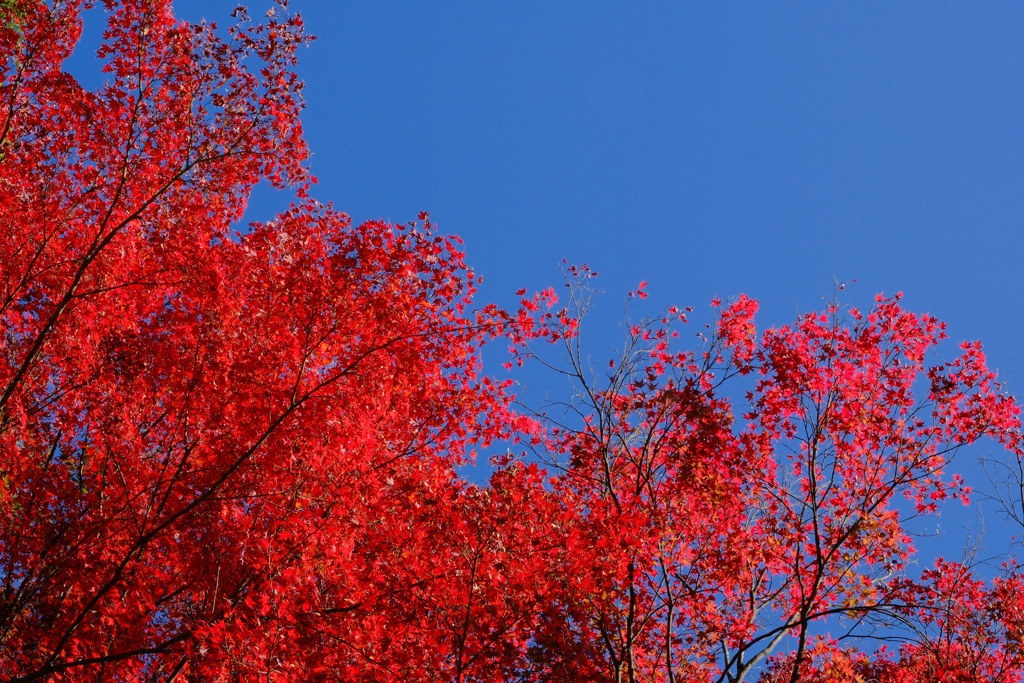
[(231, 456)]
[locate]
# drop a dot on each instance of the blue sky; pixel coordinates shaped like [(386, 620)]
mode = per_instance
[(710, 148)]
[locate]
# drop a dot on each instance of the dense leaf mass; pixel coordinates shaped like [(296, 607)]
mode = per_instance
[(230, 455)]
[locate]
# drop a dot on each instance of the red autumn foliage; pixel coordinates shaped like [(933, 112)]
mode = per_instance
[(232, 457)]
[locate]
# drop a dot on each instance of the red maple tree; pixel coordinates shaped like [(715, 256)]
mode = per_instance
[(706, 538), (231, 456)]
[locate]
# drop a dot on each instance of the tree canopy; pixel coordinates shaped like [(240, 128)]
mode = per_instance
[(230, 453)]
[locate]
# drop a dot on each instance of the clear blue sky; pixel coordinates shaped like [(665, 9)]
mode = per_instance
[(710, 148)]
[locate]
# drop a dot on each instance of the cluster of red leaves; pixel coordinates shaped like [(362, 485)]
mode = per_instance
[(704, 542), (227, 454), (968, 631), (229, 457)]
